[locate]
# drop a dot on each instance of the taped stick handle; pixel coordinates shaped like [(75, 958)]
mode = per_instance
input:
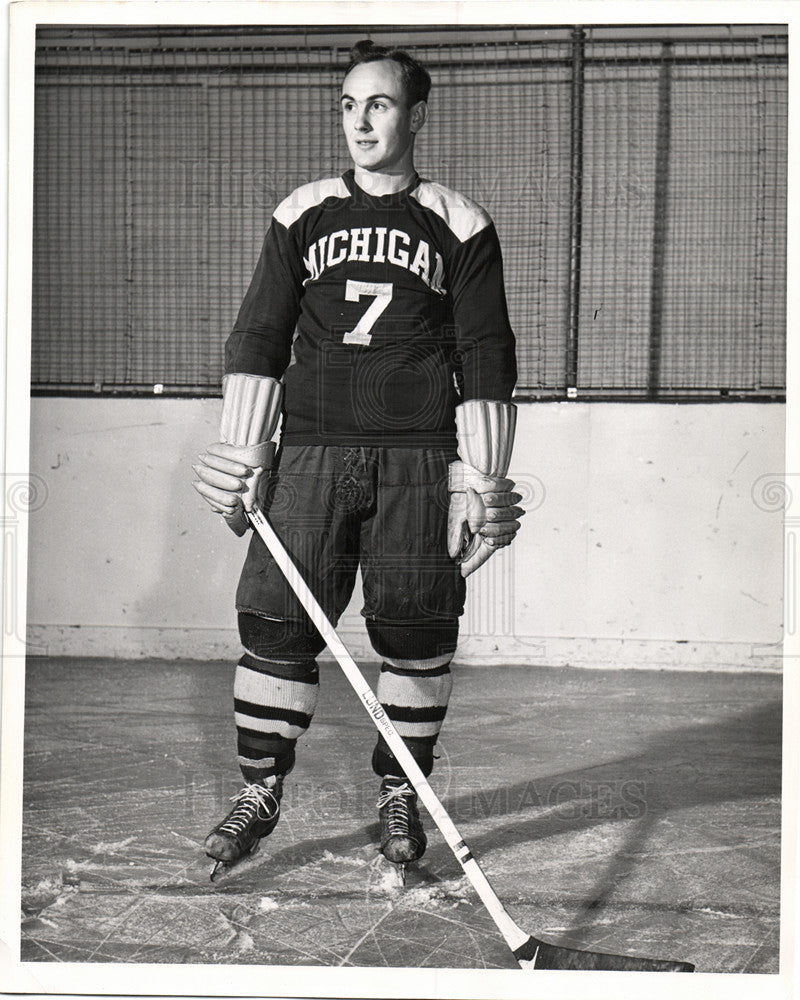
[(514, 936)]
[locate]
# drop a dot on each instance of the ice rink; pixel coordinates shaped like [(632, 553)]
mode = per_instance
[(630, 811)]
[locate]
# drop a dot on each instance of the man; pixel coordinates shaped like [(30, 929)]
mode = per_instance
[(386, 293)]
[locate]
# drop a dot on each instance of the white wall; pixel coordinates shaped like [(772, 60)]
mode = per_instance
[(646, 543)]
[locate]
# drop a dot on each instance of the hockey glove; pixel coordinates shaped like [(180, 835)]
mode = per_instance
[(229, 470), (483, 515)]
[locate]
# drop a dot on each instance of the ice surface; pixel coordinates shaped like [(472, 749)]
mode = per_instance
[(661, 837)]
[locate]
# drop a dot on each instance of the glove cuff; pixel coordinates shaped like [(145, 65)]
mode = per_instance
[(251, 406), (485, 431), (461, 477), (256, 456)]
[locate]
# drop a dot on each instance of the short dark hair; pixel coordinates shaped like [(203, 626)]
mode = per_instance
[(416, 79)]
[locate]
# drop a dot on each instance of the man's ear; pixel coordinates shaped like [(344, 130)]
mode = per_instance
[(419, 115)]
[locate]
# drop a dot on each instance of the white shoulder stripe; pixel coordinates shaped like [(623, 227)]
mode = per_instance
[(463, 217), (308, 195)]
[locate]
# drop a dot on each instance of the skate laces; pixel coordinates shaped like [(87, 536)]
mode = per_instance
[(253, 802), (395, 800)]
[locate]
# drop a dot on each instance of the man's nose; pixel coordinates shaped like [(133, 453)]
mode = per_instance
[(362, 121)]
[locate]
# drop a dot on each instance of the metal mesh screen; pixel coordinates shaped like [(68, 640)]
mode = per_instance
[(684, 205), (637, 178)]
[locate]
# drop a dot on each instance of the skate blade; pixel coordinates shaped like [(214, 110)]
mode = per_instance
[(391, 875), (221, 867)]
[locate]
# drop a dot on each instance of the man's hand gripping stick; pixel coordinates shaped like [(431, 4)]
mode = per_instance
[(484, 515), (229, 470)]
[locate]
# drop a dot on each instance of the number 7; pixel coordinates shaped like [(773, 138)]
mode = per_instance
[(382, 292)]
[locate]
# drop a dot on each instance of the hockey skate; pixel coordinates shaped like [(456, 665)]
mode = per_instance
[(255, 814), (402, 838)]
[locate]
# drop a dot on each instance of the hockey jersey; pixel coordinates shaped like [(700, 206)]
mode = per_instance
[(381, 313)]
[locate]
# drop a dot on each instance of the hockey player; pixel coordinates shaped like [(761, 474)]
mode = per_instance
[(385, 291)]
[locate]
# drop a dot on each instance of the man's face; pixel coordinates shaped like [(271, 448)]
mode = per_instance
[(378, 124)]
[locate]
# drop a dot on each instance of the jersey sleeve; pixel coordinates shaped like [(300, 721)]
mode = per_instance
[(261, 340), (486, 342)]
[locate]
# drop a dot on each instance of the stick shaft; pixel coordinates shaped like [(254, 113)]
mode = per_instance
[(514, 936)]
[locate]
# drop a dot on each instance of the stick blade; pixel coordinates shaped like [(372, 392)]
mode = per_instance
[(535, 954)]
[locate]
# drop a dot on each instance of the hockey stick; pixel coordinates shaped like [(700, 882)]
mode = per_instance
[(529, 951)]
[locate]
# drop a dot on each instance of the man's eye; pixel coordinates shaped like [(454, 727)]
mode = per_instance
[(379, 105)]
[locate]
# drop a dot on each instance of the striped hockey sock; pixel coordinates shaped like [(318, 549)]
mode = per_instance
[(414, 690), (274, 702), (415, 694)]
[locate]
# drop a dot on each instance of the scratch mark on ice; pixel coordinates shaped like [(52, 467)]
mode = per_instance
[(366, 934), (112, 847)]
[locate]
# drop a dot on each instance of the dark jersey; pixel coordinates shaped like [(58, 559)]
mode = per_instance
[(383, 312)]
